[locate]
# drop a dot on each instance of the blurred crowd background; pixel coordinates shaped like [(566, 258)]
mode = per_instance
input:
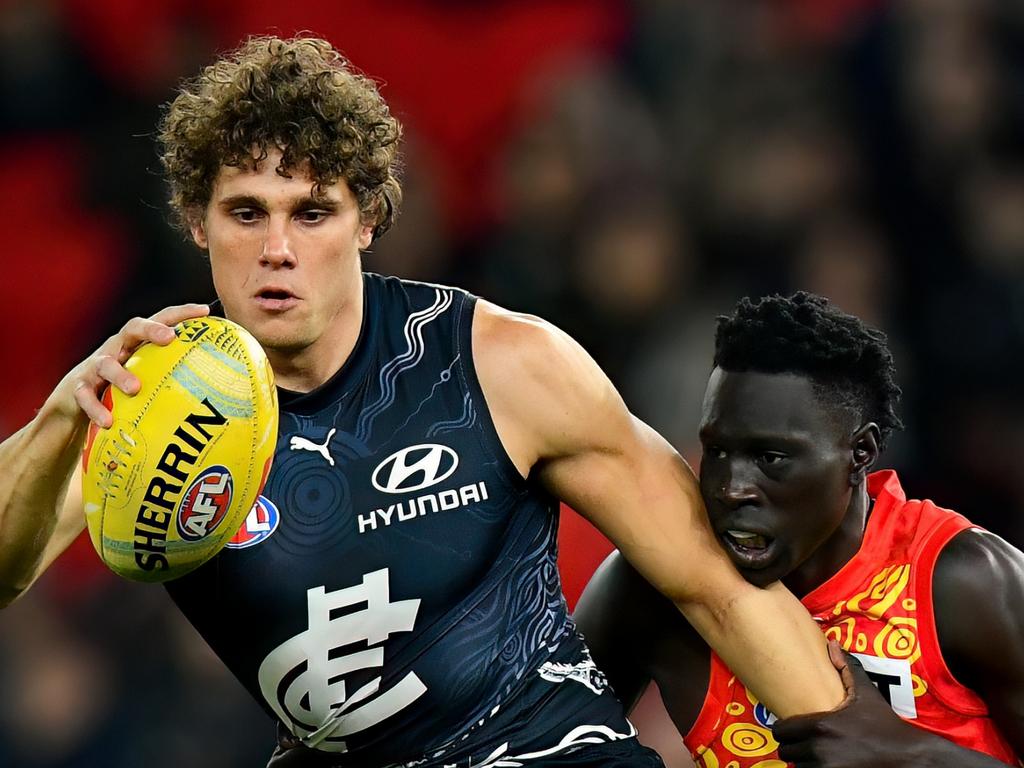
[(627, 170)]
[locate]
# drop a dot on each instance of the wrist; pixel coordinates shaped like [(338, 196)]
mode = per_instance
[(61, 411), (56, 430)]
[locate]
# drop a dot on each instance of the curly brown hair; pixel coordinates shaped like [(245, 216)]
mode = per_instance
[(299, 95)]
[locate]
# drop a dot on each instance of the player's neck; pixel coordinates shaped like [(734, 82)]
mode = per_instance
[(306, 369), (836, 551)]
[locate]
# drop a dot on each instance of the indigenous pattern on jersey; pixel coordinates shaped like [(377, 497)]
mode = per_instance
[(878, 607), (393, 598)]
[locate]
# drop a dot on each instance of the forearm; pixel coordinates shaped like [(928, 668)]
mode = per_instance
[(768, 639), (36, 464)]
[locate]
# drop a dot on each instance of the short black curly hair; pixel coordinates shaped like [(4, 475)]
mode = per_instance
[(848, 362), (299, 95)]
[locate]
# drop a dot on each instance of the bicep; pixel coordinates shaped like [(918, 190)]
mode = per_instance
[(979, 612)]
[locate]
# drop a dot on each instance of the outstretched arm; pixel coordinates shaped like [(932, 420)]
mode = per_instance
[(40, 490), (561, 419)]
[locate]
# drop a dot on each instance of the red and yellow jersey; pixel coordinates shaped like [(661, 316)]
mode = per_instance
[(879, 607)]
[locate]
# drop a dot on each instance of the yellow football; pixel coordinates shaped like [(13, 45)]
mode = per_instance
[(174, 477)]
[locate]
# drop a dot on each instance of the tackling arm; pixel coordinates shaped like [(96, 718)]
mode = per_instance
[(560, 417)]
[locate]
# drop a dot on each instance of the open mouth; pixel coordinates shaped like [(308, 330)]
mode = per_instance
[(755, 542), (276, 299), (274, 293), (749, 549)]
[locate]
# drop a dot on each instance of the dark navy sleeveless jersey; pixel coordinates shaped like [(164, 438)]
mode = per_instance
[(393, 597)]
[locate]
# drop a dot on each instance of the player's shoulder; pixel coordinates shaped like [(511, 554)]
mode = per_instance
[(978, 597), (976, 561), (527, 361), (391, 294), (518, 339)]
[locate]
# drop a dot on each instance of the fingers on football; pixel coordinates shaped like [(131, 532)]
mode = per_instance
[(85, 396), (173, 315), (107, 365), (157, 329), (135, 333), (110, 369), (103, 370)]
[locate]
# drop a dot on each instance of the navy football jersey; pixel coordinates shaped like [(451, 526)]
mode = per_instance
[(393, 597)]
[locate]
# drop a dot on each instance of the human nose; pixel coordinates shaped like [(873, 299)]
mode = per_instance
[(736, 485), (277, 246)]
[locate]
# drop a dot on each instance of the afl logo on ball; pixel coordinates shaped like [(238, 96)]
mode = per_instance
[(261, 522), (414, 468), (205, 503)]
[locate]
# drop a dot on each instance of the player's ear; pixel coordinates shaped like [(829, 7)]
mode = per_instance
[(864, 450), (197, 226), (365, 236)]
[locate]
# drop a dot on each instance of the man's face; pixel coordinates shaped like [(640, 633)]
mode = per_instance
[(285, 264), (775, 476)]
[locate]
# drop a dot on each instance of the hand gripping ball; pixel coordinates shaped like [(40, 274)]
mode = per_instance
[(174, 477)]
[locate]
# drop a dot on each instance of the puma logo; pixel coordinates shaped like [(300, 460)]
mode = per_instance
[(299, 443)]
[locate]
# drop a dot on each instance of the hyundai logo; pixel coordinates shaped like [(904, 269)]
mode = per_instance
[(415, 467)]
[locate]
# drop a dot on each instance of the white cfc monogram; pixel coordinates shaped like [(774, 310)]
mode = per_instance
[(303, 679)]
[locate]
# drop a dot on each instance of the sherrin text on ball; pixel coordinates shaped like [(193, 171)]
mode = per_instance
[(173, 478)]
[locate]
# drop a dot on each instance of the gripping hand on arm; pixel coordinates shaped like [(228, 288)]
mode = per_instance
[(864, 732), (978, 593)]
